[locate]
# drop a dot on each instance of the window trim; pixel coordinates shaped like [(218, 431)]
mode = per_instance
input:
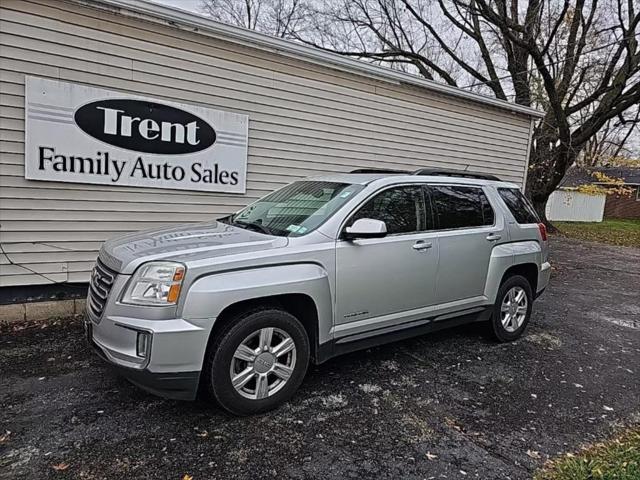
[(427, 210), (456, 229)]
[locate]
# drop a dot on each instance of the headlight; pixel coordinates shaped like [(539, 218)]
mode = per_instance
[(155, 283)]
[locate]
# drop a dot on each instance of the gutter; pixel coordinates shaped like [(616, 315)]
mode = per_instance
[(181, 19)]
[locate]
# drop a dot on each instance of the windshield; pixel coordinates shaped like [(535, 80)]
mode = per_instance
[(296, 209)]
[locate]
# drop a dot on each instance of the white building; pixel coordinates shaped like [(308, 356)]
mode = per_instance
[(278, 111), (569, 205)]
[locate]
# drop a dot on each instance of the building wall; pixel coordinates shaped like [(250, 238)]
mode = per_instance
[(571, 206), (623, 207), (305, 119)]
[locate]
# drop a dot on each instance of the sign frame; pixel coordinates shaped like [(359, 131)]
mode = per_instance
[(76, 133)]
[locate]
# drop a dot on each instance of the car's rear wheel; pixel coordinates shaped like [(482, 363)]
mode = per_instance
[(512, 310), (257, 361)]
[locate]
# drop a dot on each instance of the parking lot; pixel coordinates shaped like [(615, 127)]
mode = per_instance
[(448, 405)]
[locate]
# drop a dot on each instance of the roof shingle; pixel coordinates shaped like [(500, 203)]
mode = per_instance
[(577, 176)]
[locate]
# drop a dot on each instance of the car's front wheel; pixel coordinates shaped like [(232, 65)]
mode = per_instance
[(257, 361), (512, 310)]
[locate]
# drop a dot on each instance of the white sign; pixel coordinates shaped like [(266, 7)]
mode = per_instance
[(81, 134)]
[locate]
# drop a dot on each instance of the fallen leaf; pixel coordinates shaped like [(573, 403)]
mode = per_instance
[(187, 477), (431, 456), (533, 454), (60, 467), (5, 436), (451, 423)]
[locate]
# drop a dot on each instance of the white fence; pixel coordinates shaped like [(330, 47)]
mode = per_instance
[(571, 206)]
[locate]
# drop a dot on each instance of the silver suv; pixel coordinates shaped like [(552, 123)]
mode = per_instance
[(239, 306)]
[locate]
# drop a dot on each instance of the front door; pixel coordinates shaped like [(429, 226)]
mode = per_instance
[(379, 280)]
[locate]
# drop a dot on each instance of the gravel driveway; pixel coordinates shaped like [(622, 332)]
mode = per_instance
[(448, 405)]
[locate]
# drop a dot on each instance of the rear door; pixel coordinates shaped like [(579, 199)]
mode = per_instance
[(468, 229)]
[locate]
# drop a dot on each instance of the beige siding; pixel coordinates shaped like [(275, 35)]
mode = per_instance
[(305, 119)]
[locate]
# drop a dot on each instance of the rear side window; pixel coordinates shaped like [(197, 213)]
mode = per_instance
[(402, 209), (519, 206), (460, 206)]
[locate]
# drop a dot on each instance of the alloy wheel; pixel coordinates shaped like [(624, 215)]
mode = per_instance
[(263, 363), (513, 310)]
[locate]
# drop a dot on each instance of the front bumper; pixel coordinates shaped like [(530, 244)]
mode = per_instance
[(172, 369)]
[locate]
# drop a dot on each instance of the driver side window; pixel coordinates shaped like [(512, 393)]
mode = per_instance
[(402, 209)]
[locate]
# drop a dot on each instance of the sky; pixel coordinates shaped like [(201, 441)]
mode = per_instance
[(191, 5)]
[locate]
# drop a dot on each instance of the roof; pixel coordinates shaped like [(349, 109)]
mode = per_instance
[(354, 178), (368, 178), (577, 176), (181, 19)]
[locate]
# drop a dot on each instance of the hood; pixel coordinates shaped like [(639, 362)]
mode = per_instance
[(183, 243)]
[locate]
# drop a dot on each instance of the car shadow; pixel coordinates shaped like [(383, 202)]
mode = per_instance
[(341, 370)]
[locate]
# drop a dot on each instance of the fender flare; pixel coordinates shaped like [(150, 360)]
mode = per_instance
[(208, 296), (508, 255)]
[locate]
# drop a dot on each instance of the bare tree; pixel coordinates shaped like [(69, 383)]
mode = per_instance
[(279, 18), (382, 32), (611, 145), (575, 77), (577, 60)]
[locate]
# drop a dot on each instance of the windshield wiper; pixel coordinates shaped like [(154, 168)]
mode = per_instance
[(251, 225), (256, 226)]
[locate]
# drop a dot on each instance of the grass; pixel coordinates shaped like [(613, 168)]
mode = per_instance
[(616, 459), (611, 231)]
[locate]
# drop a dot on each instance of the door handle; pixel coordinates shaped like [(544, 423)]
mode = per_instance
[(421, 245), (492, 237)]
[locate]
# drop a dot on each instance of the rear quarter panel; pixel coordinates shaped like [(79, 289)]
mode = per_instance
[(502, 257)]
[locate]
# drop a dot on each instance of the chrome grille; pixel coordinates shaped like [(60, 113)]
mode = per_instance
[(100, 285)]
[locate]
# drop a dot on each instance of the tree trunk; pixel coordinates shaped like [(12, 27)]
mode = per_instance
[(541, 210), (549, 160)]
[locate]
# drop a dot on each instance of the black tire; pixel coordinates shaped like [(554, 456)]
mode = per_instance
[(500, 332), (220, 355)]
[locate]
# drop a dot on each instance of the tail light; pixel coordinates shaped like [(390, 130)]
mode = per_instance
[(543, 231)]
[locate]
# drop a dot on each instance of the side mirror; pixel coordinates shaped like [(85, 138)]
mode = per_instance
[(366, 228)]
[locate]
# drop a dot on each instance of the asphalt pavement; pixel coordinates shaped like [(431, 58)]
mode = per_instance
[(450, 405)]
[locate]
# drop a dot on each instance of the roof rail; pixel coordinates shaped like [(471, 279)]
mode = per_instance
[(379, 170), (439, 172)]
